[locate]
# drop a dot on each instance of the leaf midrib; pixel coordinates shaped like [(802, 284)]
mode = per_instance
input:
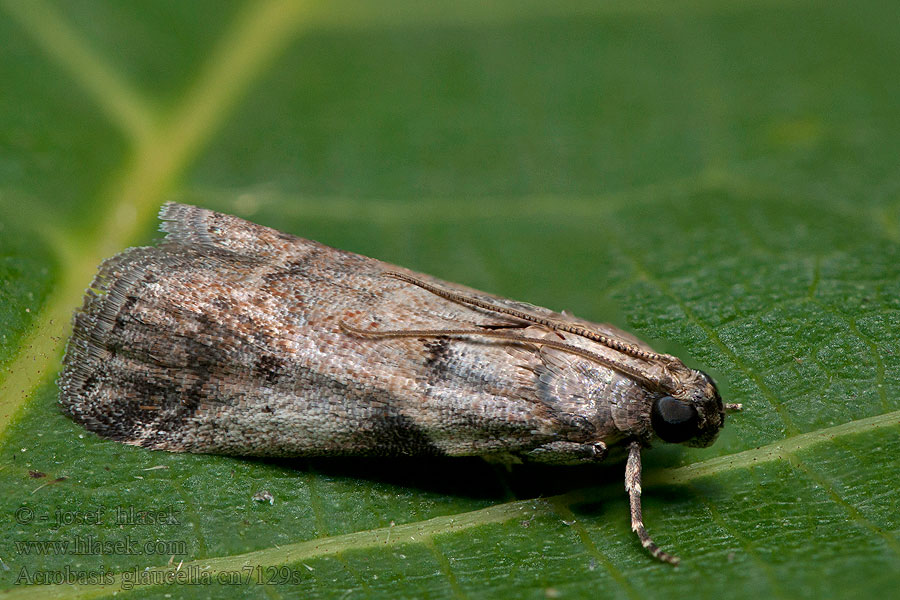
[(419, 531), (160, 156)]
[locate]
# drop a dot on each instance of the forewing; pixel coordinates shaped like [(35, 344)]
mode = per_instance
[(226, 338)]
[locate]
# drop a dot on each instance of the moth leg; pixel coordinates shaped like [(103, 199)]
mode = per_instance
[(567, 453), (633, 487)]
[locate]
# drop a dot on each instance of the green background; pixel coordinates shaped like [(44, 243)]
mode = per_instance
[(722, 179)]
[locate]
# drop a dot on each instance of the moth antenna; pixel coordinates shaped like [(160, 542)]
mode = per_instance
[(609, 342), (501, 335), (633, 487)]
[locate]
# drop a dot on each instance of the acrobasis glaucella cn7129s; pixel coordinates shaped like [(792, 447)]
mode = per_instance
[(233, 338)]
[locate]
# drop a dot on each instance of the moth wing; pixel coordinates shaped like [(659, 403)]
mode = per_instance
[(570, 386), (192, 228)]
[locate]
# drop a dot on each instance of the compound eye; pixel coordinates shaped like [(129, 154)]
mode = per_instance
[(673, 420)]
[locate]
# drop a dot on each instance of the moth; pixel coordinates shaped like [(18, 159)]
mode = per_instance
[(233, 338)]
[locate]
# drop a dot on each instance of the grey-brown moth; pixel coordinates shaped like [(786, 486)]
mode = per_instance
[(233, 338)]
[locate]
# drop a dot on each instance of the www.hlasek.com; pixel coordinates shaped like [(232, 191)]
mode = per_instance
[(138, 577), (88, 545)]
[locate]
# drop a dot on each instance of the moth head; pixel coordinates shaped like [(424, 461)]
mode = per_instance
[(692, 417)]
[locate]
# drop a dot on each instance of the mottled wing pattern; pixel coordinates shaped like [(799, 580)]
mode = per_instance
[(226, 338)]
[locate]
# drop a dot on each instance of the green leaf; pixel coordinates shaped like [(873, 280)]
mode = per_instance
[(720, 180)]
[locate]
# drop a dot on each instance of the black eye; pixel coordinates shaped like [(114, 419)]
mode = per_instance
[(673, 420)]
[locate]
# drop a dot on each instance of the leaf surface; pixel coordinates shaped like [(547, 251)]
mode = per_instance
[(720, 180)]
